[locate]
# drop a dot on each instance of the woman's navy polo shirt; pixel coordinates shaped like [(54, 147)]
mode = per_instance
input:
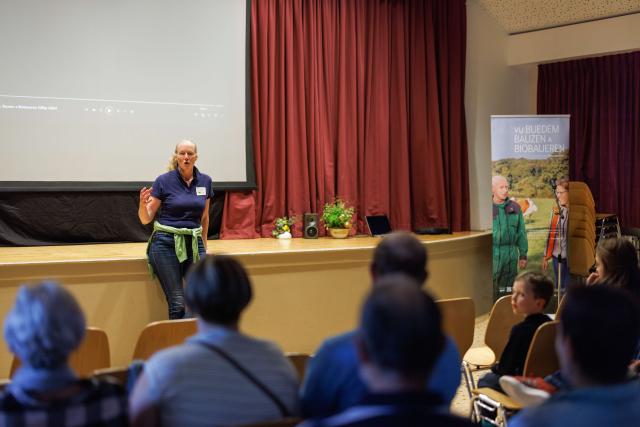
[(182, 205)]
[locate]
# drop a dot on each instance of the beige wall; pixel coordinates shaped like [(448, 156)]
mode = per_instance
[(603, 37), (492, 87)]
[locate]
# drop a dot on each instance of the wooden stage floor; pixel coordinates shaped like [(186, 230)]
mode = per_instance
[(136, 251)]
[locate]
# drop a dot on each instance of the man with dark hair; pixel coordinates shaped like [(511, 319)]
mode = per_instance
[(399, 341), (400, 252), (332, 383), (597, 338)]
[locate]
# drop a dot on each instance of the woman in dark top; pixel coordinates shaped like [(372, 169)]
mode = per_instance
[(180, 198)]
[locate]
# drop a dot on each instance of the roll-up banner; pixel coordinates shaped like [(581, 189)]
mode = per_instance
[(529, 188)]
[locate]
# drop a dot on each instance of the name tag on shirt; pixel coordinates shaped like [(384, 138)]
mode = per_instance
[(201, 191)]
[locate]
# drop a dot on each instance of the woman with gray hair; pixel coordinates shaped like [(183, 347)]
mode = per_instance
[(42, 329)]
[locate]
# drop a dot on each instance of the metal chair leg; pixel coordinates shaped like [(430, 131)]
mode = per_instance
[(468, 378)]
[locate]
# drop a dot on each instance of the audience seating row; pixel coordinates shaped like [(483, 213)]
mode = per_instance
[(94, 353)]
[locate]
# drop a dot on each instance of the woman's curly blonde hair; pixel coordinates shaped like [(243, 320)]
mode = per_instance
[(173, 162)]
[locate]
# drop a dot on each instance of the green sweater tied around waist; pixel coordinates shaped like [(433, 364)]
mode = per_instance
[(179, 240)]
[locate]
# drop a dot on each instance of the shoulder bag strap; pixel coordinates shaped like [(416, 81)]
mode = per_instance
[(281, 406)]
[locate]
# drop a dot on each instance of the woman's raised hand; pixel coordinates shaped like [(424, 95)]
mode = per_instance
[(145, 195)]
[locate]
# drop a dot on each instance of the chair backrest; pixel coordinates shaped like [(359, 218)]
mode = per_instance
[(580, 194), (583, 213), (501, 320), (541, 358), (285, 422), (582, 255), (162, 334), (299, 362), (93, 353), (459, 321)]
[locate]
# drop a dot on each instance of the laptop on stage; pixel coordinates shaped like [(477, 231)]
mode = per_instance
[(378, 225)]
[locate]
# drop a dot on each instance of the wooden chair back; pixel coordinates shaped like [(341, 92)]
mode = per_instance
[(93, 353), (299, 362), (458, 321), (541, 358), (163, 334), (582, 213), (580, 194), (501, 320), (581, 256)]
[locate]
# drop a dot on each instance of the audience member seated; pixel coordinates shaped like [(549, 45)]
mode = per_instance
[(399, 340), (45, 325), (332, 383), (531, 294), (219, 376), (617, 266), (598, 333)]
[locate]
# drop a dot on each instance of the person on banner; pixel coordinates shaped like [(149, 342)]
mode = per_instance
[(510, 243), (556, 247), (180, 228)]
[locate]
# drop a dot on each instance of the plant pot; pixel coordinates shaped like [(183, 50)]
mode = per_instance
[(339, 233)]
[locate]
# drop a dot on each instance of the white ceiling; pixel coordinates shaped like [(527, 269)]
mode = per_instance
[(519, 16)]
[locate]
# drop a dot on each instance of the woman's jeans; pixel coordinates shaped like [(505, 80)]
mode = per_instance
[(170, 272)]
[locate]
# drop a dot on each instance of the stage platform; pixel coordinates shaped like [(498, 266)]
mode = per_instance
[(304, 290)]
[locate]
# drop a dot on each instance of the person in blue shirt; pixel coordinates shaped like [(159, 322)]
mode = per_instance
[(332, 383), (597, 338), (398, 342), (179, 202)]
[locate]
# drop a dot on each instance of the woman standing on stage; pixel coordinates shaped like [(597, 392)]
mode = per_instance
[(180, 229)]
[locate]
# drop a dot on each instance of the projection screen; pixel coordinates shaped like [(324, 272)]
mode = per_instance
[(95, 94)]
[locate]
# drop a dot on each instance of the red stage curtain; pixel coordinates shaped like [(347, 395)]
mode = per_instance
[(603, 97), (361, 99)]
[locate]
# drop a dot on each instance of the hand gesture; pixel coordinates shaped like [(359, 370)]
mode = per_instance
[(145, 196), (593, 278), (545, 264)]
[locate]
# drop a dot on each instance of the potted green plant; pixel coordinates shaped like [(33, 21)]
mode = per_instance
[(337, 217)]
